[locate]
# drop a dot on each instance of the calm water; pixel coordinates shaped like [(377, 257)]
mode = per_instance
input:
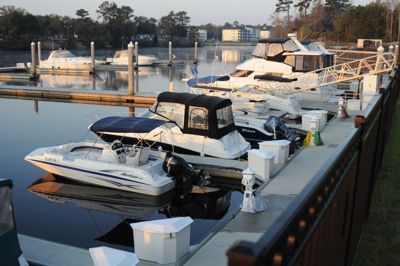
[(87, 216), (151, 80)]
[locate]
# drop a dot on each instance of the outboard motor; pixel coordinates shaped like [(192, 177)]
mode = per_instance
[(277, 126), (183, 173)]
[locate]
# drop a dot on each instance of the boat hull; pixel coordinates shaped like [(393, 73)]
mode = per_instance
[(100, 178)]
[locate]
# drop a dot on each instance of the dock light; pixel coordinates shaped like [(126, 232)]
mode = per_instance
[(252, 201)]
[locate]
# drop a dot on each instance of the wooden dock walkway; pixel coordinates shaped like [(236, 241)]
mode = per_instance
[(57, 95)]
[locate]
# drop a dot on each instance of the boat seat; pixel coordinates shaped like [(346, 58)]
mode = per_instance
[(144, 155)]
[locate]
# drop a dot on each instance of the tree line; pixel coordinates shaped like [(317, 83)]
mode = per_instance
[(338, 20), (115, 27)]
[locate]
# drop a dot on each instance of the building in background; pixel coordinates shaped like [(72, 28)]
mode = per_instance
[(202, 35), (265, 32)]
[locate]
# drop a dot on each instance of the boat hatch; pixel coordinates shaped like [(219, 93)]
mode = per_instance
[(196, 114)]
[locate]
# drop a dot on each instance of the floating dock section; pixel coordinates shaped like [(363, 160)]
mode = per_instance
[(22, 92)]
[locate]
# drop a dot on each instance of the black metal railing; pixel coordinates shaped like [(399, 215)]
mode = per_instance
[(323, 225)]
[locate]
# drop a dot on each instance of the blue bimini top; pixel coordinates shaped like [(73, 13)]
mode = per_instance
[(126, 124)]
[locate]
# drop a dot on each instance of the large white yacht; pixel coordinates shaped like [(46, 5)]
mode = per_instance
[(64, 59), (121, 58), (276, 66)]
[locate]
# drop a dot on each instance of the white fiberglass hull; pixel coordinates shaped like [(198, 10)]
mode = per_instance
[(143, 60), (103, 176)]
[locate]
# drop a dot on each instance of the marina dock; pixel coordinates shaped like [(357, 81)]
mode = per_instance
[(96, 97)]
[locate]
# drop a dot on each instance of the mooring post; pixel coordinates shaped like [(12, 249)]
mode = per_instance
[(136, 55), (93, 67), (170, 53), (33, 59), (39, 53), (396, 54), (195, 52), (131, 85), (380, 63)]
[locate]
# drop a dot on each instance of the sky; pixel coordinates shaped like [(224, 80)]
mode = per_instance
[(218, 12)]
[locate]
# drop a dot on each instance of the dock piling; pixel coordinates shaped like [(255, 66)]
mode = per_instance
[(39, 53), (131, 85), (396, 54), (93, 67), (33, 58), (136, 55), (170, 54), (195, 53)]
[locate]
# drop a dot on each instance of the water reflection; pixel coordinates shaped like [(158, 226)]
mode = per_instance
[(148, 80), (133, 207)]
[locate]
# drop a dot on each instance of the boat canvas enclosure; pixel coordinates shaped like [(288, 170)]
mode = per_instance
[(203, 115), (118, 124), (10, 250)]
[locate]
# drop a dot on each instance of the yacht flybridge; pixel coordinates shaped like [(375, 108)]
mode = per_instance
[(64, 59), (186, 124), (277, 65)]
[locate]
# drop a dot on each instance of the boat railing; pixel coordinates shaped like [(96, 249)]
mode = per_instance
[(374, 65)]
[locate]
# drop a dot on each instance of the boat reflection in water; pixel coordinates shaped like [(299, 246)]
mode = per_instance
[(211, 203), (70, 81)]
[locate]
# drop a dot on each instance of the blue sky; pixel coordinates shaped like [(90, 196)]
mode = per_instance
[(200, 11)]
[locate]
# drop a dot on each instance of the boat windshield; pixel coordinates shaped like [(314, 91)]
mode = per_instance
[(268, 50), (224, 116), (171, 111)]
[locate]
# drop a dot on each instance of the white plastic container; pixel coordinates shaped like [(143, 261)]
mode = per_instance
[(162, 241), (307, 118), (280, 148), (260, 162), (323, 114)]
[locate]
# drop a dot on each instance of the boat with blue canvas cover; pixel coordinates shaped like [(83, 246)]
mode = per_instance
[(186, 124)]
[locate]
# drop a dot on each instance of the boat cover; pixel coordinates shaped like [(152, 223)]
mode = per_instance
[(9, 245), (126, 124), (208, 79)]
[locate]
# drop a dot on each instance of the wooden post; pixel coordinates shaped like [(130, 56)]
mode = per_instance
[(33, 58), (93, 66), (136, 55), (39, 53), (396, 54), (131, 85), (195, 53), (170, 53)]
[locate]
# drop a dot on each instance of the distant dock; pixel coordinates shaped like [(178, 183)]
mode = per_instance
[(49, 94)]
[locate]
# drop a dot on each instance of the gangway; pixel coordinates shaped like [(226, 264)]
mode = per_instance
[(377, 64)]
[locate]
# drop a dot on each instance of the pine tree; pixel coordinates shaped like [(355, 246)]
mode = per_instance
[(284, 6)]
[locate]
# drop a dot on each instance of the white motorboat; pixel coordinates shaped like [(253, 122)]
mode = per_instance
[(114, 165), (277, 66), (121, 58), (64, 59), (187, 124)]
